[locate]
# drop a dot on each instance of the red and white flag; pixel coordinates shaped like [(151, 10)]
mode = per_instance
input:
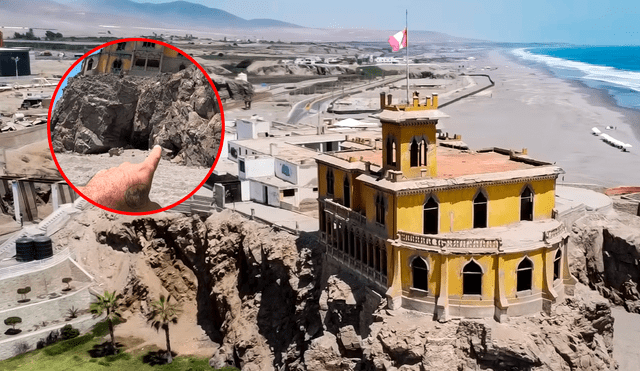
[(399, 40)]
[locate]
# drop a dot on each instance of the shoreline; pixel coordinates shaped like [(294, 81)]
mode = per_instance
[(550, 116), (597, 96)]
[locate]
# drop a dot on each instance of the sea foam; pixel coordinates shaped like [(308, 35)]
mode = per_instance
[(611, 75)]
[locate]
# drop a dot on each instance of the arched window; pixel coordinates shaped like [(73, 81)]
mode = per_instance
[(526, 204), (480, 211), (370, 254), (90, 64), (414, 153), (329, 182), (346, 194), (352, 243), (524, 275), (423, 152), (116, 66), (557, 261), (420, 274), (380, 209), (389, 151), (430, 217), (378, 257), (472, 279), (358, 247)]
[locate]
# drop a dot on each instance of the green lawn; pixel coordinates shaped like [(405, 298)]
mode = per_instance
[(69, 357)]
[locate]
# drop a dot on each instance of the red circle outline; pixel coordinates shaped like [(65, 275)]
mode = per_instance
[(215, 162)]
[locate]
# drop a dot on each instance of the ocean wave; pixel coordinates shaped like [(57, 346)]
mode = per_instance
[(626, 79)]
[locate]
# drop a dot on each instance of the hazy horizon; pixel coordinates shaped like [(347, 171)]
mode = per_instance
[(587, 22)]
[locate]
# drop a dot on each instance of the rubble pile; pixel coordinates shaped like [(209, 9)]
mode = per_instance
[(178, 111)]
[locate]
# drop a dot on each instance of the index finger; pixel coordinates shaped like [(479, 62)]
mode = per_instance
[(153, 159)]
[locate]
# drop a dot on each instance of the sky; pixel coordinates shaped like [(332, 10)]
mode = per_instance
[(601, 22)]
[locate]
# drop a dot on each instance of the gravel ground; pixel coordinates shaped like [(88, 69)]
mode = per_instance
[(171, 182)]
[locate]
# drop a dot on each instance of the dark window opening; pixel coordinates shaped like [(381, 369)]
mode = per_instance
[(430, 217), (116, 66), (480, 211), (121, 46), (525, 275), (378, 257), (526, 204), (139, 62), (241, 166), (358, 247), (420, 274), (556, 265), (352, 245), (329, 182), (182, 67), (148, 44), (370, 254), (90, 64), (472, 279), (322, 220), (289, 192), (414, 153), (153, 63), (346, 193), (380, 209), (315, 189), (389, 154), (383, 261)]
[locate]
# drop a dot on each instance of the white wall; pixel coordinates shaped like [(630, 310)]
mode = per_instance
[(255, 167), (257, 193), (225, 144), (245, 190), (286, 170), (250, 129)]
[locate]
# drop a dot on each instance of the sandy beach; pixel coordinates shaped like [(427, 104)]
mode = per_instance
[(529, 108)]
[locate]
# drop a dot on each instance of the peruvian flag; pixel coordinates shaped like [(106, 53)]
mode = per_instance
[(399, 40)]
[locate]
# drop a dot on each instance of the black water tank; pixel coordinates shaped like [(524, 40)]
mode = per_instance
[(25, 249), (44, 247)]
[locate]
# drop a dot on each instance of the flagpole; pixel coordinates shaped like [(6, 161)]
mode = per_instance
[(406, 31)]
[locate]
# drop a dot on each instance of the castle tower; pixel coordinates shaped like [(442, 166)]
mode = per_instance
[(409, 136)]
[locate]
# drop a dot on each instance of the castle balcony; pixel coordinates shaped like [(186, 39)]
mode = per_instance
[(521, 236), (343, 212)]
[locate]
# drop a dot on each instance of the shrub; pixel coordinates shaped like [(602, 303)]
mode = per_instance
[(67, 280), (12, 321), (73, 312), (50, 339), (66, 345), (68, 332), (24, 291)]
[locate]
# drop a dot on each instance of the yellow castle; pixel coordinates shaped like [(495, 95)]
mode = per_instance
[(139, 58), (442, 229)]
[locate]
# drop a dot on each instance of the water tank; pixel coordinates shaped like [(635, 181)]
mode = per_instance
[(25, 249), (44, 247)]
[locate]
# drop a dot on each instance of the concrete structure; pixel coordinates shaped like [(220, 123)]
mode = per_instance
[(139, 58), (8, 65), (444, 230)]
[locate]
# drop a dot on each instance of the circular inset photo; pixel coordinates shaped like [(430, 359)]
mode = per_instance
[(136, 126)]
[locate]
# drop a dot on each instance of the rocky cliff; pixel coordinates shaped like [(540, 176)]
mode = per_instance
[(177, 111), (269, 303), (605, 254)]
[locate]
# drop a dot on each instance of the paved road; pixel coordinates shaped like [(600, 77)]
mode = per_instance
[(315, 104)]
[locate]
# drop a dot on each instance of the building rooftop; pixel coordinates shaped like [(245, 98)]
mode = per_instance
[(289, 148), (455, 166)]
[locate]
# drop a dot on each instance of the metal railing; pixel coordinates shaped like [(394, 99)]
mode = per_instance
[(453, 243)]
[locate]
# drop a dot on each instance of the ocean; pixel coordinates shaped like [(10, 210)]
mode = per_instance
[(615, 69)]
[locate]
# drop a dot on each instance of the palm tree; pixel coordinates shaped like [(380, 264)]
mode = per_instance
[(108, 302), (162, 314)]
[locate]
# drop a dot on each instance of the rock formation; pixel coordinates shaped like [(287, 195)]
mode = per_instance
[(177, 111), (605, 254), (268, 301)]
